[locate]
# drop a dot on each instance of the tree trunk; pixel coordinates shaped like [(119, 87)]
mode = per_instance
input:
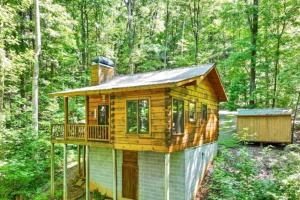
[(254, 33), (166, 37), (277, 57), (83, 35), (196, 35), (35, 86), (276, 72), (182, 37), (196, 26), (131, 32)]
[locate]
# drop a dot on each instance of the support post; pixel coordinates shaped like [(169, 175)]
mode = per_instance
[(87, 174), (86, 117), (115, 194), (167, 176), (84, 161), (66, 111), (52, 172), (78, 159), (65, 172)]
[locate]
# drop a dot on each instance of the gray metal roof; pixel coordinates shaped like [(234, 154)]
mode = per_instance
[(145, 79), (263, 112)]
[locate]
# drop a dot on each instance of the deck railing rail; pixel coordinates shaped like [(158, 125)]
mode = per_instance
[(78, 132)]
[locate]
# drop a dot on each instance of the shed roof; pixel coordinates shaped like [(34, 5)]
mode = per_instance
[(264, 112), (163, 78)]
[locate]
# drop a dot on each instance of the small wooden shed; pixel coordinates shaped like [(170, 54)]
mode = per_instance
[(264, 125)]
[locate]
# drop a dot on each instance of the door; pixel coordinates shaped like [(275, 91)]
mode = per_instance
[(130, 174), (103, 114)]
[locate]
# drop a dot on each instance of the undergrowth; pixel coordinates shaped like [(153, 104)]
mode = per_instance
[(237, 174)]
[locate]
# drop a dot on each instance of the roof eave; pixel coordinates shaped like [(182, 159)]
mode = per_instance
[(106, 91)]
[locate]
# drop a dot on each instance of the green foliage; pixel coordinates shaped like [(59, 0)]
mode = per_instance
[(286, 170), (98, 196), (26, 164), (236, 175), (153, 35), (228, 140)]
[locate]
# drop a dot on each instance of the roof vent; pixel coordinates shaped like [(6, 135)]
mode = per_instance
[(103, 60)]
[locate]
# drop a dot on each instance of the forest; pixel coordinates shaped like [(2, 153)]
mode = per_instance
[(254, 43)]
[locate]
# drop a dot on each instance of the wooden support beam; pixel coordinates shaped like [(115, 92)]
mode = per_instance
[(115, 194), (52, 193), (84, 161), (167, 176), (87, 179), (86, 117), (78, 159), (65, 173), (66, 111)]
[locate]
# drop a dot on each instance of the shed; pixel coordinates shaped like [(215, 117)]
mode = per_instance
[(264, 125)]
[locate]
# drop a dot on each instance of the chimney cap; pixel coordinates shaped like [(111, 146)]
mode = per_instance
[(103, 60)]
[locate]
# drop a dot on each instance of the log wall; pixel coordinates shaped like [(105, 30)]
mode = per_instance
[(200, 131)]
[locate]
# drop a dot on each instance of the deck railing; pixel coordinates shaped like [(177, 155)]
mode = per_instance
[(78, 132)]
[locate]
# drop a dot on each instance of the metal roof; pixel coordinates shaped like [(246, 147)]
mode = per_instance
[(264, 112), (146, 79)]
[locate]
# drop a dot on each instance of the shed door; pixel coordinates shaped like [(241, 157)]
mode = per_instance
[(130, 174)]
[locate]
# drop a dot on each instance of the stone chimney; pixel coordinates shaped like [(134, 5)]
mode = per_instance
[(102, 69)]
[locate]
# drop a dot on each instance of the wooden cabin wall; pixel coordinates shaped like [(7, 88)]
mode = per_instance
[(94, 102), (275, 129), (155, 141), (199, 132)]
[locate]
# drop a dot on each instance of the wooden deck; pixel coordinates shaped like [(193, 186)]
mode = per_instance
[(80, 133)]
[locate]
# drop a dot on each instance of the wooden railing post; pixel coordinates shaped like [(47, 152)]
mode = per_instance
[(66, 110), (86, 117)]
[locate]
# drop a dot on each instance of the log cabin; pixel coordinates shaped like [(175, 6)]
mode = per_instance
[(147, 135)]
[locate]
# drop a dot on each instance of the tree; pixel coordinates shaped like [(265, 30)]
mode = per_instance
[(252, 16), (35, 80), (130, 5)]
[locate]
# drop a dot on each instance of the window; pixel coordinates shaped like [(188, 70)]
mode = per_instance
[(192, 111), (103, 115), (138, 116), (178, 116), (204, 112)]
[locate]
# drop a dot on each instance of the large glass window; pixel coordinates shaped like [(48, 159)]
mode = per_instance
[(138, 116), (178, 116)]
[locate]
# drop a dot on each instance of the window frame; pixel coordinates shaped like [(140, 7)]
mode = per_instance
[(183, 111), (137, 117), (195, 112)]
